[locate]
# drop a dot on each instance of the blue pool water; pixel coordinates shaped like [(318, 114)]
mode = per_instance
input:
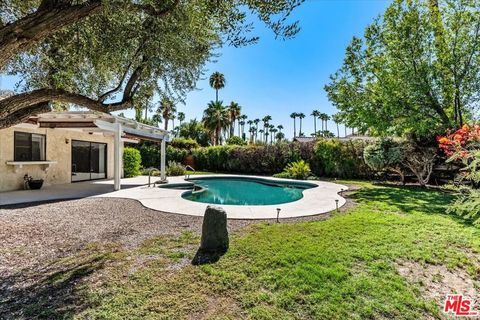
[(246, 191)]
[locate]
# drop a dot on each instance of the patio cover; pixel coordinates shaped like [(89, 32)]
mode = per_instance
[(122, 129)]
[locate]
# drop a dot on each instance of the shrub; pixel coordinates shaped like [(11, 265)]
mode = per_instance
[(335, 158), (385, 155), (184, 143), (175, 169), (295, 170), (131, 162), (463, 146), (150, 153), (234, 140)]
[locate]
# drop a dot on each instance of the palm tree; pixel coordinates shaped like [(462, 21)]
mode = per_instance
[(279, 136), (254, 134), (241, 123), (168, 109), (256, 122), (273, 131), (215, 119), (294, 115), (336, 119), (157, 117), (181, 117), (265, 120), (280, 128), (233, 113), (261, 134), (173, 117), (327, 118), (250, 122), (217, 82), (301, 116), (315, 114)]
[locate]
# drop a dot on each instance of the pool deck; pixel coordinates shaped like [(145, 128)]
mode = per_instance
[(315, 201), (318, 200)]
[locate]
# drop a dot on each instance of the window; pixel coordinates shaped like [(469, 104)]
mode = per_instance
[(29, 147)]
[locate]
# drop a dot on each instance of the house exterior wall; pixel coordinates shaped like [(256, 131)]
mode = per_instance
[(57, 149)]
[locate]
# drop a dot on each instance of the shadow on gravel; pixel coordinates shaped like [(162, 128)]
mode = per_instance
[(53, 292)]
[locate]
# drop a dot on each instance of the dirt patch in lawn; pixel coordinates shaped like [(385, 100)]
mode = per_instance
[(437, 281)]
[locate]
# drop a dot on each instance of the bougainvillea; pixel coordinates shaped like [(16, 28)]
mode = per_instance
[(461, 143)]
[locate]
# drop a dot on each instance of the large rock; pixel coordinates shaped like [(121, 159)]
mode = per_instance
[(214, 241)]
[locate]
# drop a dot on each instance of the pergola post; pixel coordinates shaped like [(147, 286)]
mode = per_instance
[(163, 175), (117, 156)]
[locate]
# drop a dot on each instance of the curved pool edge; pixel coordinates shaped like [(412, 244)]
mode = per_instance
[(272, 182), (315, 201)]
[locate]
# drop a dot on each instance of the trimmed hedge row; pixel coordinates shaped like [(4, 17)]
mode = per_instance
[(327, 158)]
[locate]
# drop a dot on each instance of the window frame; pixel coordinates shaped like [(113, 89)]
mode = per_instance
[(30, 140)]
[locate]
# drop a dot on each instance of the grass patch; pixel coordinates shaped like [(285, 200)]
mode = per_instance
[(340, 268)]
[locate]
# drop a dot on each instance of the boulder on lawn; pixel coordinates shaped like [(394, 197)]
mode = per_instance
[(214, 241)]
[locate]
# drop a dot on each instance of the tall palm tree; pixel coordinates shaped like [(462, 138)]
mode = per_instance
[(327, 118), (254, 134), (173, 117), (250, 123), (294, 115), (181, 117), (301, 116), (168, 109), (233, 113), (217, 82), (336, 119), (266, 120), (315, 114), (241, 123), (272, 130), (256, 122), (215, 119), (261, 134)]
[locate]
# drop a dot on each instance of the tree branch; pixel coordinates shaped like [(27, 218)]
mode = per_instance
[(51, 16)]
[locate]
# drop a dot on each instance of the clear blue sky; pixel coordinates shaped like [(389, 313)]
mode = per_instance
[(277, 77)]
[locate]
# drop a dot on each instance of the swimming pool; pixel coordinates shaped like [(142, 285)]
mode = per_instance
[(245, 191)]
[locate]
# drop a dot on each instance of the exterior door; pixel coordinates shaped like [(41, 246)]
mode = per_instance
[(89, 160)]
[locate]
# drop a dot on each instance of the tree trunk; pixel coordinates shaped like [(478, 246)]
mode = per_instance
[(315, 126)]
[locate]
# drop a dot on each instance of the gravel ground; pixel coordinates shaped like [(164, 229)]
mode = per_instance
[(32, 236)]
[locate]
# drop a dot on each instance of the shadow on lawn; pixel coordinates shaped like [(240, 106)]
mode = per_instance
[(406, 199), (52, 292)]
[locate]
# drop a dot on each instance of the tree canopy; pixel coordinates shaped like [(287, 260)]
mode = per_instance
[(416, 70), (110, 55)]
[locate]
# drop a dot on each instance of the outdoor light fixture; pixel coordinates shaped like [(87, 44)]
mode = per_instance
[(278, 213), (67, 141), (336, 204)]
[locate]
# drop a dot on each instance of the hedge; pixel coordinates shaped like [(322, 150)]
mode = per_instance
[(327, 158), (131, 162)]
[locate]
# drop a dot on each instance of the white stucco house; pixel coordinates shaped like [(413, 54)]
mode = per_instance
[(66, 147)]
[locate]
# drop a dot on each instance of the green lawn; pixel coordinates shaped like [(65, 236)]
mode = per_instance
[(340, 268)]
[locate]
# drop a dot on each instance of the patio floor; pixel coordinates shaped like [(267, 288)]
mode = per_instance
[(75, 190)]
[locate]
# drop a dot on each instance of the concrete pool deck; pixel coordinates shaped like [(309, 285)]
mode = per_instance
[(318, 200)]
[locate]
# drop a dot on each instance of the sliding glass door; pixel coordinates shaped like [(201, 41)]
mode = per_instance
[(89, 160)]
